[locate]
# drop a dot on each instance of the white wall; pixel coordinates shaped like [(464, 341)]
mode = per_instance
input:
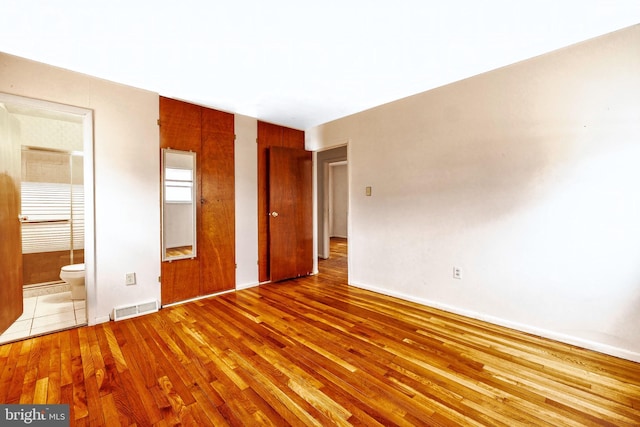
[(127, 190), (127, 179), (246, 177), (339, 187), (527, 178)]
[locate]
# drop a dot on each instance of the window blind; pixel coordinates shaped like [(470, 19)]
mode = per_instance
[(47, 217)]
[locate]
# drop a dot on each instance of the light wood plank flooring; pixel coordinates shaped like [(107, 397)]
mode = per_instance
[(314, 351)]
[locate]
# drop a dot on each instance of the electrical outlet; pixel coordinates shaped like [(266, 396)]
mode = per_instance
[(130, 278), (457, 273)]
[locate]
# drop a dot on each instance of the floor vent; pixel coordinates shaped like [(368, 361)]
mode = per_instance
[(128, 311)]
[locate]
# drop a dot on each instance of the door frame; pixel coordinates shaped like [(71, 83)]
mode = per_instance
[(88, 165), (321, 202)]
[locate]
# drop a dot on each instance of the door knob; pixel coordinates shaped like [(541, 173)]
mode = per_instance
[(274, 214)]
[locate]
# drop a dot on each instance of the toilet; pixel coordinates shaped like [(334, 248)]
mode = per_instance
[(74, 275)]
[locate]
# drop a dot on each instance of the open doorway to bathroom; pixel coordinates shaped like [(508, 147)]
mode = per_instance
[(51, 142)]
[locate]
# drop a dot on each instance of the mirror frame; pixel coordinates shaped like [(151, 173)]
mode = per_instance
[(164, 214)]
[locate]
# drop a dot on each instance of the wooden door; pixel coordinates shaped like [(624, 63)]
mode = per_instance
[(180, 130), (11, 241), (216, 235), (210, 134), (290, 207), (270, 135)]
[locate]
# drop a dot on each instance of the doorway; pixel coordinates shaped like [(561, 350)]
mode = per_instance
[(285, 181), (332, 201), (338, 199), (51, 156)]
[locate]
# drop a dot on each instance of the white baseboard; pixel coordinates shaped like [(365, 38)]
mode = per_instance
[(553, 335), (247, 286), (198, 298), (101, 319)]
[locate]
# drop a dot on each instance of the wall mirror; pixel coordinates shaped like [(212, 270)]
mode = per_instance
[(178, 204)]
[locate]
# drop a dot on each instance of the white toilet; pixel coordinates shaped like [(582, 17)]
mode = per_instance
[(74, 275)]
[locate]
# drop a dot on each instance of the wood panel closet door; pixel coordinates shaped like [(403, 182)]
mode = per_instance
[(216, 236), (180, 129)]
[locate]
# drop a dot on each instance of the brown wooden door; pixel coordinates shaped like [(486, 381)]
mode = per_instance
[(10, 241), (290, 207), (270, 135), (180, 129), (210, 134), (216, 235)]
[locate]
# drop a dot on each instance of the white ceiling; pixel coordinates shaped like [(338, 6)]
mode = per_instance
[(294, 62)]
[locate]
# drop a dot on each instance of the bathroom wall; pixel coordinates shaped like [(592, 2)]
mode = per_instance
[(127, 186), (52, 131)]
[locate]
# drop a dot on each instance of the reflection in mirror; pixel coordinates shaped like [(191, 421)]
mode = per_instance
[(178, 206)]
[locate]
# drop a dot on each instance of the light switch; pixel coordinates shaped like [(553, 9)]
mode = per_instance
[(367, 191)]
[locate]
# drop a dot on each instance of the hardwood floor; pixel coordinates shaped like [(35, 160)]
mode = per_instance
[(179, 251), (314, 351)]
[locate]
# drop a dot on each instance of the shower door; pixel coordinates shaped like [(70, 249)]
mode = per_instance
[(52, 213)]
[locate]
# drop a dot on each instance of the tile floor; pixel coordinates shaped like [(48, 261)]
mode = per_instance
[(46, 313)]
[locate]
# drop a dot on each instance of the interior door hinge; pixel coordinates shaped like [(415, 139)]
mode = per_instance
[(158, 122)]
